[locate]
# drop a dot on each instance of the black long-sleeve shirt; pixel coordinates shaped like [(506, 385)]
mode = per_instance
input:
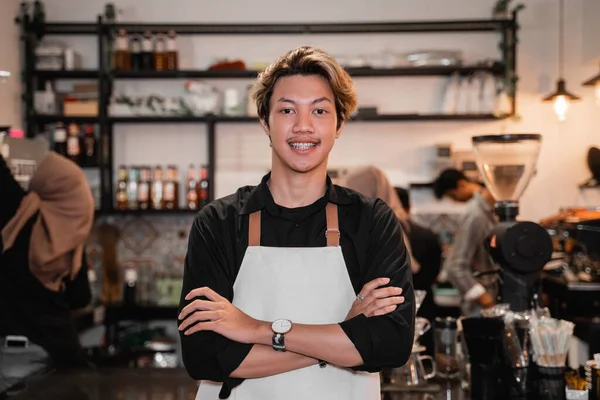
[(372, 246)]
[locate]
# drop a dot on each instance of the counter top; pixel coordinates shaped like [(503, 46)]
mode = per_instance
[(162, 384)]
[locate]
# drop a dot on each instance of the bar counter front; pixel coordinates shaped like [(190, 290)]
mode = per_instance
[(170, 384)]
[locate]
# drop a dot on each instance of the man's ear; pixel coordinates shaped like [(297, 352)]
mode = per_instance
[(339, 130), (266, 129)]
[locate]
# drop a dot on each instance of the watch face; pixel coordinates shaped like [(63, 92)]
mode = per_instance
[(281, 326)]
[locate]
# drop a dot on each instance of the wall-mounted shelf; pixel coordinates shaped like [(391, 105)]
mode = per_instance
[(64, 74), (496, 69), (32, 33), (160, 119), (42, 119), (75, 28)]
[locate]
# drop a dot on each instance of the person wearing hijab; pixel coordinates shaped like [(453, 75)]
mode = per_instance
[(372, 182), (427, 250), (43, 232)]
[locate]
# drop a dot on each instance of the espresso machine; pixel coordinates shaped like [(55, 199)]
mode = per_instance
[(521, 248)]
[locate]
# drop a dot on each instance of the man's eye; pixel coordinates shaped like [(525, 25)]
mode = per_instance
[(287, 111), (320, 111)]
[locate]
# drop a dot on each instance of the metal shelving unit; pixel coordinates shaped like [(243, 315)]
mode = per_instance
[(32, 32)]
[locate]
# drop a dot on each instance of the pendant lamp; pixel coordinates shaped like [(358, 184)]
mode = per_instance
[(561, 96)]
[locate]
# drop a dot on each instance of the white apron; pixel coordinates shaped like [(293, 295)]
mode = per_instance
[(307, 285)]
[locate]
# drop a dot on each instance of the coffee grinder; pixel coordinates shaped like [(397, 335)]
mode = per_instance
[(521, 248)]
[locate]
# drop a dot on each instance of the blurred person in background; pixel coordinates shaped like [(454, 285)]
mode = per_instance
[(427, 250), (43, 274), (468, 253), (372, 182)]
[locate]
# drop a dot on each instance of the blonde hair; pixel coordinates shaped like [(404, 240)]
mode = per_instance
[(306, 60)]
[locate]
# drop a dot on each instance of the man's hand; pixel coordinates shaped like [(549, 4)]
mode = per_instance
[(217, 314), (376, 301)]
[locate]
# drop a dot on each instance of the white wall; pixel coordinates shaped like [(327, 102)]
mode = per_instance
[(402, 149), (10, 92)]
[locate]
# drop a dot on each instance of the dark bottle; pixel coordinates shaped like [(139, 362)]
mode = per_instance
[(144, 188), (160, 55), (60, 139), (147, 52), (191, 187), (90, 146), (74, 144), (121, 195), (130, 285), (171, 194), (132, 188), (157, 189), (136, 54), (203, 186), (172, 54), (122, 56)]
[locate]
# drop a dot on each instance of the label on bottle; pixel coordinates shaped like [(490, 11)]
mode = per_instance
[(60, 135), (171, 45), (121, 43), (160, 46), (121, 197), (135, 46), (147, 46), (143, 191), (73, 146), (169, 191)]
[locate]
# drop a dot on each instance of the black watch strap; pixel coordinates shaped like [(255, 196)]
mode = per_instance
[(279, 342)]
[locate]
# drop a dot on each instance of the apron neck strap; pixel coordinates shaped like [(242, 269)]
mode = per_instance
[(332, 233), (254, 229)]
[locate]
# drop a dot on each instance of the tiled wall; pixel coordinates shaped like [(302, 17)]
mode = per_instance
[(154, 245)]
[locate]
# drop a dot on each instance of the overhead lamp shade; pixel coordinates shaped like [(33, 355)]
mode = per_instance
[(561, 98)]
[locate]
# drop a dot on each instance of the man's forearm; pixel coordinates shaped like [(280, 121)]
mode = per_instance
[(323, 342), (263, 361)]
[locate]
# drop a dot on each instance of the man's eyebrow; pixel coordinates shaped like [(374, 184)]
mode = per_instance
[(315, 101)]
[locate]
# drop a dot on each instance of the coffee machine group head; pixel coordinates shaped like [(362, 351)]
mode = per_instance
[(507, 163)]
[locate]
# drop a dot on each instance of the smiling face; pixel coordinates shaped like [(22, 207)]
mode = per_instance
[(302, 123)]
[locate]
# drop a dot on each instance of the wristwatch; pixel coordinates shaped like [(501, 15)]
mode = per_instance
[(280, 327)]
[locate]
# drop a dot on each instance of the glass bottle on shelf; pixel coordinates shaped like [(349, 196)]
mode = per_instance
[(121, 195), (192, 189), (136, 53), (203, 186), (147, 52), (60, 139), (74, 144), (132, 188), (90, 148), (171, 188), (144, 188), (172, 54), (160, 55), (157, 189), (122, 56)]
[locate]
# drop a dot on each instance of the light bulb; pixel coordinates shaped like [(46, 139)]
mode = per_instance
[(561, 105), (597, 90)]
